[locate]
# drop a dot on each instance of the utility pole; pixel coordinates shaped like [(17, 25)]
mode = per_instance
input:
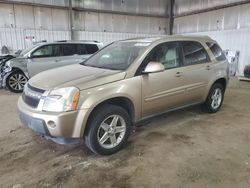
[(171, 17), (72, 37)]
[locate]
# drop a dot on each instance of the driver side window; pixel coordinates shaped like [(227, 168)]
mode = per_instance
[(165, 53), (47, 51)]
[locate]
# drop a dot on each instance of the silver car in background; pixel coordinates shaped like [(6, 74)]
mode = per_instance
[(43, 56)]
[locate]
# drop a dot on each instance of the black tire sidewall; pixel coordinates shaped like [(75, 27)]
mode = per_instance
[(208, 102), (97, 117), (8, 79)]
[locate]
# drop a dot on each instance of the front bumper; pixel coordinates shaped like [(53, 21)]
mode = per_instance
[(37, 125), (51, 124)]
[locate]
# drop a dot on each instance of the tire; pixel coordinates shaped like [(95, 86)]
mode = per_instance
[(247, 71), (15, 81), (100, 135), (214, 101)]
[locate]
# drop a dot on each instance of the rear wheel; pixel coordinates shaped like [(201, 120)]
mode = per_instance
[(15, 81), (215, 98), (108, 129)]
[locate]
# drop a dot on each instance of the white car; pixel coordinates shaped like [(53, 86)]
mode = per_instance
[(43, 56)]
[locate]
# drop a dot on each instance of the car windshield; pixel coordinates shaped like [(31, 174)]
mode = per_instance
[(25, 51), (117, 56)]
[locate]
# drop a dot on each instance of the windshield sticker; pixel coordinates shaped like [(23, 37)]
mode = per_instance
[(142, 44)]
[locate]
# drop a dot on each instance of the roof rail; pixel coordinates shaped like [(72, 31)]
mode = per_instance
[(90, 41), (41, 41), (77, 40), (61, 41)]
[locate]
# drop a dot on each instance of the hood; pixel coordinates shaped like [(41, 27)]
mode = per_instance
[(80, 76)]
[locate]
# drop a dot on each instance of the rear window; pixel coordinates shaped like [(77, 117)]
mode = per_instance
[(194, 53), (217, 51), (91, 48)]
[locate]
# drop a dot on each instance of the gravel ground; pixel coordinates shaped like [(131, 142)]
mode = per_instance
[(187, 148)]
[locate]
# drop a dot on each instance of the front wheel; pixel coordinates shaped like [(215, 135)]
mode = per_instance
[(108, 130), (15, 81), (215, 98)]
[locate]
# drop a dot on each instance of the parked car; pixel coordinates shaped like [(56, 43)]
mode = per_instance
[(44, 56), (4, 58), (125, 82)]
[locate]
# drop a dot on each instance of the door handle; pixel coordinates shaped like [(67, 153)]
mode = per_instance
[(208, 67), (178, 74), (57, 60)]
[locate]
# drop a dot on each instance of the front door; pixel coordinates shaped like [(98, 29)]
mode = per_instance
[(44, 58), (164, 90)]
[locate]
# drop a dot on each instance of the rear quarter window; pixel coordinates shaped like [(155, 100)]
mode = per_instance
[(217, 51)]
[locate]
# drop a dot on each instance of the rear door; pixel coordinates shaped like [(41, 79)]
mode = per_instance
[(163, 90), (70, 54), (77, 53), (197, 68), (43, 58)]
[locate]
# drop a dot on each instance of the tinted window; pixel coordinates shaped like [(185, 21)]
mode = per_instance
[(166, 53), (217, 51), (91, 48), (194, 53), (69, 49), (47, 51), (81, 49)]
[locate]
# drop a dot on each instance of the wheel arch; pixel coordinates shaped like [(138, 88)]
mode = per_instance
[(123, 102), (222, 81), (17, 69), (7, 74)]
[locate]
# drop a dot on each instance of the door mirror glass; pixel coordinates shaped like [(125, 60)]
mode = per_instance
[(29, 56), (154, 66)]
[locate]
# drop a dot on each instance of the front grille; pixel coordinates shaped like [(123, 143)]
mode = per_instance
[(30, 101), (31, 95)]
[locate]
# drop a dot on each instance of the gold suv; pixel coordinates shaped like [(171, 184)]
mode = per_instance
[(127, 81)]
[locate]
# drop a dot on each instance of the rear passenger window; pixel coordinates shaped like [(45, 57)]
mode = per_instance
[(194, 53), (91, 48), (69, 49), (81, 49), (217, 51)]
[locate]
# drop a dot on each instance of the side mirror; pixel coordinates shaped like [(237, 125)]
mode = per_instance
[(154, 66), (29, 56)]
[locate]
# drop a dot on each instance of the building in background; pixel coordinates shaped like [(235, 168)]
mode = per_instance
[(227, 21), (28, 21)]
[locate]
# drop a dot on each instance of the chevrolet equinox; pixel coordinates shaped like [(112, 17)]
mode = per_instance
[(127, 81)]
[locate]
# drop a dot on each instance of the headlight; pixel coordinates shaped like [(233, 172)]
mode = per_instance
[(7, 67), (61, 100)]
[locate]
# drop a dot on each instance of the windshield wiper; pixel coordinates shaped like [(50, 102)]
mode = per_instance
[(100, 67)]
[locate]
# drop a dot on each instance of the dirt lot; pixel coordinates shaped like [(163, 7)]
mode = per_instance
[(187, 148)]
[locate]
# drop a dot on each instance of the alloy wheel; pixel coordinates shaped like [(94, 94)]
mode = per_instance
[(111, 131), (216, 98), (17, 81)]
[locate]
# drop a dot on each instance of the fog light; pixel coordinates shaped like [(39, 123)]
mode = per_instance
[(51, 124)]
